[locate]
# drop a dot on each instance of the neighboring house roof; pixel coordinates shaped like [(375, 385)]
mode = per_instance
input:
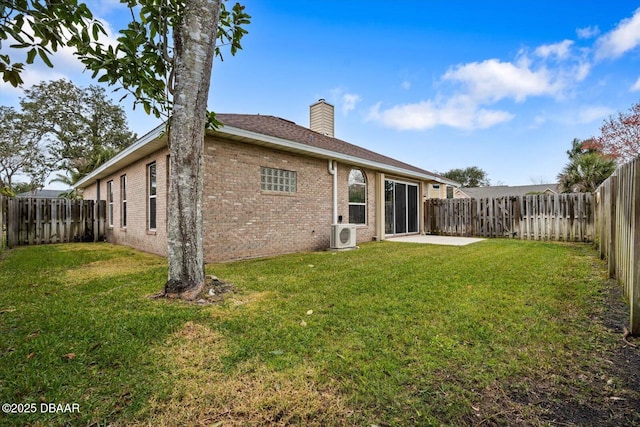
[(506, 190), (42, 194), (272, 132)]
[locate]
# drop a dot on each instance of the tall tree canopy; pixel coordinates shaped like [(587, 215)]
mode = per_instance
[(21, 152), (587, 168), (146, 61), (164, 59), (472, 176), (42, 27), (82, 127), (60, 127), (620, 136)]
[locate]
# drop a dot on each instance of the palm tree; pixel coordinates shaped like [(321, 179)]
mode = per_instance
[(585, 172), (79, 168), (69, 181)]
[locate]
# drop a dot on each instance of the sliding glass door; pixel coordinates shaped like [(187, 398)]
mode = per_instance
[(401, 207)]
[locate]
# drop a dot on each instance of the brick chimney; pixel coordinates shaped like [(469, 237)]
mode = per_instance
[(321, 117)]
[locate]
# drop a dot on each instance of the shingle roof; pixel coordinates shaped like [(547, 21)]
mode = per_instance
[(285, 129), (42, 194), (506, 190), (258, 129)]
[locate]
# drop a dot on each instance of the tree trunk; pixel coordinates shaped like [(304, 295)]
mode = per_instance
[(194, 42)]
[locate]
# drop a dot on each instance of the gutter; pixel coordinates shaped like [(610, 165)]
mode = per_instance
[(139, 144), (321, 152), (332, 166), (267, 140)]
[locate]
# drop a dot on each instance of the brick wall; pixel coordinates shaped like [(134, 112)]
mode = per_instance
[(243, 221), (136, 233)]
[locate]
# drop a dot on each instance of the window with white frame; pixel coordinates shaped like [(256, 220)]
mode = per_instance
[(152, 189), (110, 203), (123, 201), (357, 197), (280, 180)]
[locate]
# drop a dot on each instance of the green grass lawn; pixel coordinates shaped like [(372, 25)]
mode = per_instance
[(391, 334)]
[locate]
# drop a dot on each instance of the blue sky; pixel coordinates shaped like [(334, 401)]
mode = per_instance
[(505, 86)]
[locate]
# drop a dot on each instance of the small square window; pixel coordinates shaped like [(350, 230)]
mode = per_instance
[(279, 180)]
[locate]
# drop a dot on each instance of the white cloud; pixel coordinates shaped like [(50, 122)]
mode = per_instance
[(582, 71), (560, 50), (104, 7), (345, 100), (348, 102), (66, 63), (487, 118), (478, 85), (467, 97), (625, 37), (636, 86), (32, 76), (538, 121), (590, 114), (587, 32), (493, 80), (458, 112), (406, 85)]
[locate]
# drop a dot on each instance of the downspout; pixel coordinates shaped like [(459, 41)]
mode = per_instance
[(96, 235), (332, 166)]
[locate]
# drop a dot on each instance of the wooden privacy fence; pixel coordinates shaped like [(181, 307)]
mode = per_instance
[(562, 217), (618, 233), (31, 221), (3, 223)]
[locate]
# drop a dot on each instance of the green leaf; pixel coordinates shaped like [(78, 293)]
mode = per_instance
[(45, 58), (31, 55), (212, 122)]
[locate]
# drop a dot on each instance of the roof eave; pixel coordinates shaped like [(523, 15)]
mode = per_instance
[(144, 146), (293, 146), (152, 142)]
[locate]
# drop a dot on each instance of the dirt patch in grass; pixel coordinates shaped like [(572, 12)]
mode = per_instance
[(214, 292), (203, 393), (265, 397), (599, 389), (108, 268)]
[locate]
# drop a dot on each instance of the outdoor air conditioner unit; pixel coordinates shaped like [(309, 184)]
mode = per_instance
[(343, 236)]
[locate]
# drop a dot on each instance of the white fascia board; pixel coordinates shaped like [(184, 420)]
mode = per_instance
[(321, 152), (269, 140), (121, 156)]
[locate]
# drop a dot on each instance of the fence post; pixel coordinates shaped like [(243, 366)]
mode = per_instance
[(634, 282), (611, 258), (12, 222), (3, 241), (598, 220), (473, 211)]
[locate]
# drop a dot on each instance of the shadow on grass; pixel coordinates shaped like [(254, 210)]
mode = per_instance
[(392, 334)]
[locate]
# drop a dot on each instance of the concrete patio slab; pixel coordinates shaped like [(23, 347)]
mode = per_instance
[(436, 240)]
